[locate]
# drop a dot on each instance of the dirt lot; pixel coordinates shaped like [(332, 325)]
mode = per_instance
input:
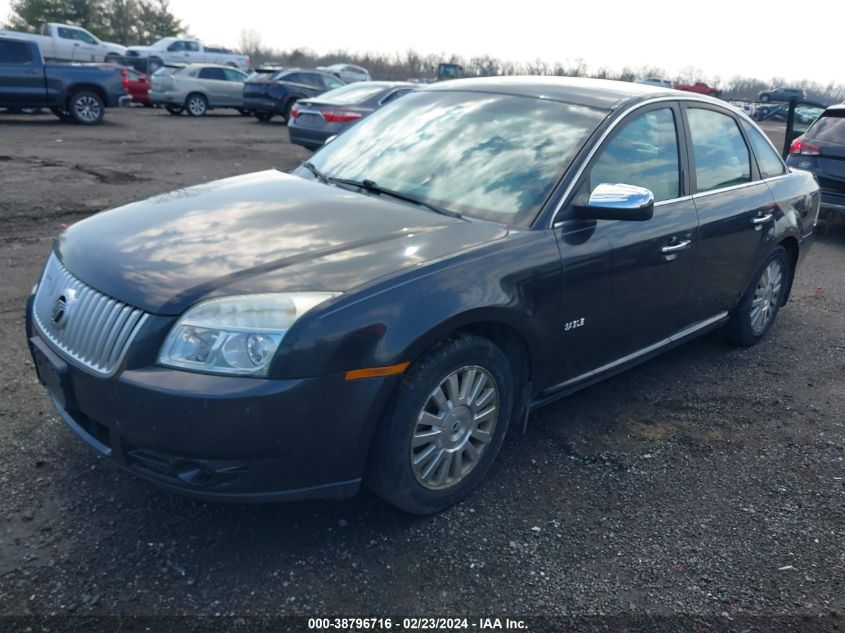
[(710, 481)]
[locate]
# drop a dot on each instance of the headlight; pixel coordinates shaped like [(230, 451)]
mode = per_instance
[(235, 335)]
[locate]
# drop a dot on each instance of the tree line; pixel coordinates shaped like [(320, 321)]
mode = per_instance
[(128, 22), (413, 65)]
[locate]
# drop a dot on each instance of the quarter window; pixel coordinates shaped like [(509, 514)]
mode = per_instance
[(721, 155), (768, 160), (643, 153)]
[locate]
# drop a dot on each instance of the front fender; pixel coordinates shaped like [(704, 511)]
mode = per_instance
[(514, 283)]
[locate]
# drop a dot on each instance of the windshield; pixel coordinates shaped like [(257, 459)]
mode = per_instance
[(353, 93), (490, 156)]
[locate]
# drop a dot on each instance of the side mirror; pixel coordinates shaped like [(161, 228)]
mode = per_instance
[(619, 202)]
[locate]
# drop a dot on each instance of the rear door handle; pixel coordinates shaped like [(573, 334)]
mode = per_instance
[(674, 248), (762, 219)]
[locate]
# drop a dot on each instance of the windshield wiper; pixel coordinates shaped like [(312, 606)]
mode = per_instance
[(317, 173), (372, 187)]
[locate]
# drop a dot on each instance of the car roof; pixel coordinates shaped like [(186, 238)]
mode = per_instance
[(596, 93), (205, 65)]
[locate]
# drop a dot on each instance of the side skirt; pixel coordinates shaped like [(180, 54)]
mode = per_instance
[(619, 365)]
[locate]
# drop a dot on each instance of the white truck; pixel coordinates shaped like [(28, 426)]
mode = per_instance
[(176, 50), (67, 43)]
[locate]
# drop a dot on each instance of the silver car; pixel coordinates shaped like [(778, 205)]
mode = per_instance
[(348, 73), (198, 88)]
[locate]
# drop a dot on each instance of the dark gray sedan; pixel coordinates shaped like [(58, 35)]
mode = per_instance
[(315, 120)]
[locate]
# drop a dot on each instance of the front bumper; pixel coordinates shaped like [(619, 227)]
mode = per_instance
[(216, 437), (263, 104)]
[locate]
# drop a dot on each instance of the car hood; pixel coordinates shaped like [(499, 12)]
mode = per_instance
[(117, 48), (262, 232)]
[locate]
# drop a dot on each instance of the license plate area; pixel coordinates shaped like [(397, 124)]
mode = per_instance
[(52, 373)]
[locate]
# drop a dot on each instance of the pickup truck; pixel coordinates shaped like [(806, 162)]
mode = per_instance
[(73, 92), (699, 87), (63, 42), (177, 50)]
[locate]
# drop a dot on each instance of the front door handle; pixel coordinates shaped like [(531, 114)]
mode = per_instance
[(762, 219), (674, 248)]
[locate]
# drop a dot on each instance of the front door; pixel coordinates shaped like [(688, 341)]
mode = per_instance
[(625, 283)]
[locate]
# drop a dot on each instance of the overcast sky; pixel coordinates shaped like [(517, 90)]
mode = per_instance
[(721, 37)]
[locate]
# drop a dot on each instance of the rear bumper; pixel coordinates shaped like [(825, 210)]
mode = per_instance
[(216, 437), (832, 205), (310, 138), (166, 98)]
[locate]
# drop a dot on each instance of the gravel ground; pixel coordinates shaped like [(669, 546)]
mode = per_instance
[(707, 482)]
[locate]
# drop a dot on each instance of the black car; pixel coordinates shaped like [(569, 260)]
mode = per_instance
[(782, 94), (821, 151), (73, 92), (313, 121), (383, 314), (275, 93)]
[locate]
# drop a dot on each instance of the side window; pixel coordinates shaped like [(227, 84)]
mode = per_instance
[(212, 73), (643, 153), (66, 34), (768, 160), (293, 78), (330, 82), (194, 47), (82, 36), (234, 75), (15, 52), (721, 155), (175, 47)]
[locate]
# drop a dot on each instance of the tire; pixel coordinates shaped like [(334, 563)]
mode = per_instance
[(286, 111), (196, 105), (243, 112), (441, 469), (154, 64), (264, 117), (113, 58), (764, 98), (756, 312), (86, 107), (174, 110)]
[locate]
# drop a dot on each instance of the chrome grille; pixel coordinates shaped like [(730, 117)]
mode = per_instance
[(89, 328)]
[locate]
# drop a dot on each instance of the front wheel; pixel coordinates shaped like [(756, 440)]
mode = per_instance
[(174, 110), (264, 116), (755, 314), (444, 427), (86, 107)]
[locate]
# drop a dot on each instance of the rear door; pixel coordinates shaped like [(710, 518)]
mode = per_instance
[(736, 210), (21, 75), (626, 283), (234, 87), (214, 85)]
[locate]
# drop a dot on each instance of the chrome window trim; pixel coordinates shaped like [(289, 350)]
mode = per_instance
[(623, 117)]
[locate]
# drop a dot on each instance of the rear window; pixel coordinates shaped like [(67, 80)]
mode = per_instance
[(830, 127), (15, 52), (353, 93), (768, 160)]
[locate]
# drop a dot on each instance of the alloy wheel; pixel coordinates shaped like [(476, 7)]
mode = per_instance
[(196, 105), (87, 108), (454, 427), (766, 297)]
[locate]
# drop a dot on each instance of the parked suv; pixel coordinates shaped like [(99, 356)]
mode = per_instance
[(382, 315), (821, 151), (275, 93), (198, 88), (782, 94)]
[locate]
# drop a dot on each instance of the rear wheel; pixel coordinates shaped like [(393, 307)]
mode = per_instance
[(264, 116), (764, 98), (86, 107), (756, 312), (444, 427), (288, 108), (113, 58), (196, 104)]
